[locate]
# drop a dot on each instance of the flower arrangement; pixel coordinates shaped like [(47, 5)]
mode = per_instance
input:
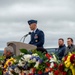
[(34, 62), (66, 66), (69, 62), (30, 63), (8, 64)]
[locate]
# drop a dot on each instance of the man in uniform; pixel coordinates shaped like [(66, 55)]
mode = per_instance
[(37, 36)]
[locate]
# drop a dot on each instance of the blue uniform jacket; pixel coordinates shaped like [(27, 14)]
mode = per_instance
[(37, 38)]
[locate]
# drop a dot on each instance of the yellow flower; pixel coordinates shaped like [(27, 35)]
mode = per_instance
[(9, 62), (72, 69), (68, 64), (70, 54)]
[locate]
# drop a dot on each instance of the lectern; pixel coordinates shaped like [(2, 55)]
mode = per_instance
[(20, 45)]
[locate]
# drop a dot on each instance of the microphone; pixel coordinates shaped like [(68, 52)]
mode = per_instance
[(25, 36), (30, 33)]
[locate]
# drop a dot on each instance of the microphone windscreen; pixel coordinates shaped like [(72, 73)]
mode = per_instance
[(29, 33)]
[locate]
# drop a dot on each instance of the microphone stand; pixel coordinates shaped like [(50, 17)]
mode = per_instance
[(25, 37)]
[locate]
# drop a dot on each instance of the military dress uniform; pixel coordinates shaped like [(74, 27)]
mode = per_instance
[(37, 37)]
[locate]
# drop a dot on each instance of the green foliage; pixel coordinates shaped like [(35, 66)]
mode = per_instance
[(2, 58), (69, 72), (15, 73), (24, 51), (41, 55), (41, 67), (1, 71), (66, 69)]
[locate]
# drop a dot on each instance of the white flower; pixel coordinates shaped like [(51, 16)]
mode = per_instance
[(52, 65), (21, 53), (9, 72), (54, 58), (35, 54), (32, 60), (10, 69), (21, 63), (50, 73), (1, 66), (37, 64), (27, 57), (17, 70)]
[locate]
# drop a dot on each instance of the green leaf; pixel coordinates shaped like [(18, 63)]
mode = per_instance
[(24, 51), (66, 69), (1, 71), (2, 58), (69, 72)]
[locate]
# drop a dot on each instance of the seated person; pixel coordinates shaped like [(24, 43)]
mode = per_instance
[(8, 53), (70, 46), (61, 49)]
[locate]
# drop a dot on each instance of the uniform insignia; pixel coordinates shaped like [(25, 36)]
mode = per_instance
[(36, 40), (36, 36)]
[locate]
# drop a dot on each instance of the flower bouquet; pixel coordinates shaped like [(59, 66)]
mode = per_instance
[(34, 62), (69, 62), (66, 66), (30, 63)]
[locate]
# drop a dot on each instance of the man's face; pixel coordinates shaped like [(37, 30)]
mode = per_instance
[(6, 53), (60, 42), (69, 42), (32, 26)]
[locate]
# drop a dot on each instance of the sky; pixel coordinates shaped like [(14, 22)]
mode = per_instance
[(55, 17)]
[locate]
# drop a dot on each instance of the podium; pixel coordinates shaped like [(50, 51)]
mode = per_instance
[(20, 45)]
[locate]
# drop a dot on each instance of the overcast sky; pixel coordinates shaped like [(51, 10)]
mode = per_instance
[(55, 17)]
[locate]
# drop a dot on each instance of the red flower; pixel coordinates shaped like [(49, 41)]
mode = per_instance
[(55, 65), (9, 63), (48, 64), (51, 69), (64, 73), (33, 70), (61, 67), (56, 72), (30, 74), (39, 72), (4, 69), (65, 58), (72, 58), (48, 56)]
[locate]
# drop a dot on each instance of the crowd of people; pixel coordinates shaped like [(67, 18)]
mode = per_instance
[(63, 50)]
